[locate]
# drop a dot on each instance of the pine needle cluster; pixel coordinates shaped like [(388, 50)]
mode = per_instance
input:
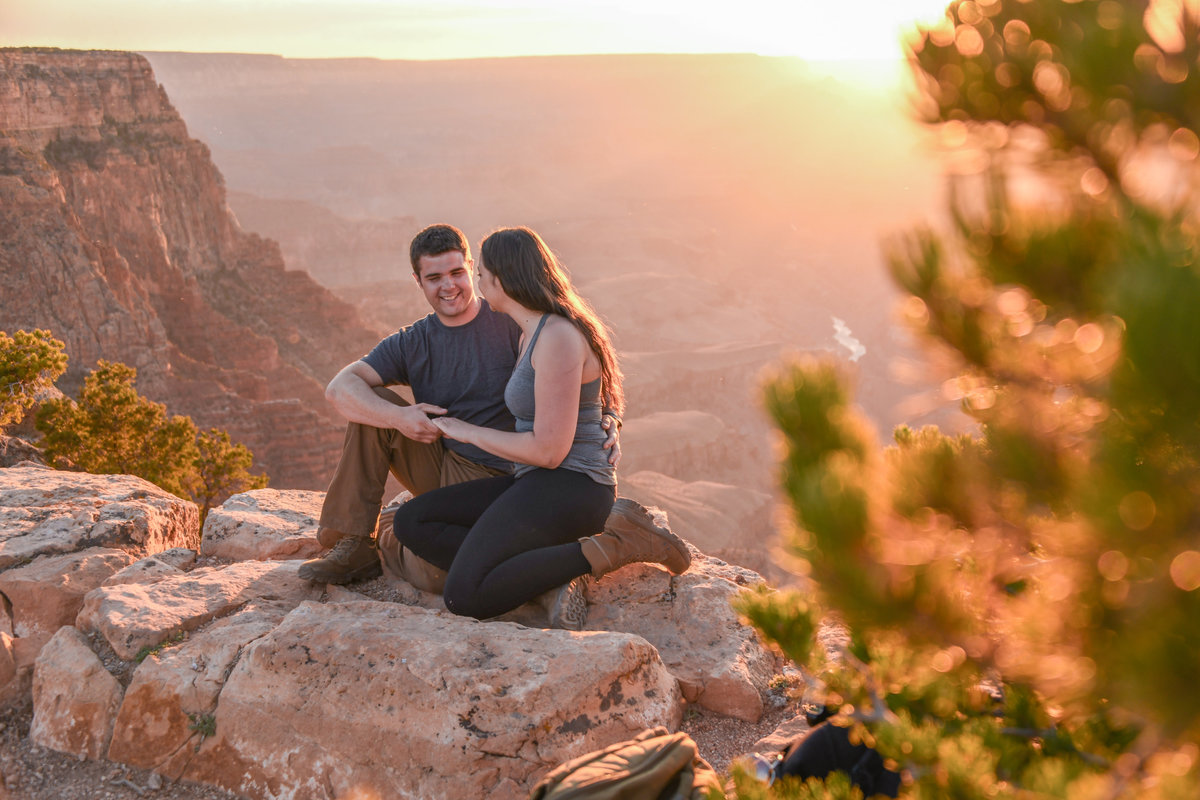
[(1024, 601)]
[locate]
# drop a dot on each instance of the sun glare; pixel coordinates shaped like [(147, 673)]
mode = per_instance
[(813, 30), (832, 31)]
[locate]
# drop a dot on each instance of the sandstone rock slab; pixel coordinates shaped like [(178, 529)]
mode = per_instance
[(48, 593), (46, 512), (386, 700), (154, 568), (24, 654), (75, 699), (264, 524), (173, 694), (10, 684), (721, 662), (41, 597), (133, 616)]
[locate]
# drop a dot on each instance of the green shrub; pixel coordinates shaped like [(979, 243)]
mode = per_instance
[(30, 362), (112, 429)]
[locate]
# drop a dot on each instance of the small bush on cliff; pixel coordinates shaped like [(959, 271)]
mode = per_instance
[(64, 153), (30, 362), (112, 429), (1025, 605), (222, 469)]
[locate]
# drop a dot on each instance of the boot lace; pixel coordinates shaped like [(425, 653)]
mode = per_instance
[(345, 549)]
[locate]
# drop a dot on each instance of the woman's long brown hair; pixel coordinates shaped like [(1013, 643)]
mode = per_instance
[(530, 274)]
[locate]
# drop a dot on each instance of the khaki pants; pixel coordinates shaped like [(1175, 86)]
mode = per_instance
[(353, 499)]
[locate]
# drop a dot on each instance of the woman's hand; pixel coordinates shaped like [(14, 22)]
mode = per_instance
[(455, 428), (414, 422), (612, 444)]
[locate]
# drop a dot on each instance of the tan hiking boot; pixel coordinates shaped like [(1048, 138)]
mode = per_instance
[(631, 535), (567, 606), (354, 558)]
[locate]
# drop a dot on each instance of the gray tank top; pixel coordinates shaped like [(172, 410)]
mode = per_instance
[(587, 454)]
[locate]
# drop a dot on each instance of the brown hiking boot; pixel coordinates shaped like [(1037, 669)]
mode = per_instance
[(354, 558), (631, 535), (566, 606)]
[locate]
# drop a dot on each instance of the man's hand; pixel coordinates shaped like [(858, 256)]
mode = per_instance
[(415, 423), (612, 444)]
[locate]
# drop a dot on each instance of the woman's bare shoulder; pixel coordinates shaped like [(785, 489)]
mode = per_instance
[(560, 337), (561, 328)]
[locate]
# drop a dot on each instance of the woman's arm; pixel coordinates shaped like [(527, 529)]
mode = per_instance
[(559, 357)]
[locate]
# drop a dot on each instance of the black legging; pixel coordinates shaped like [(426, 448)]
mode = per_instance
[(505, 540)]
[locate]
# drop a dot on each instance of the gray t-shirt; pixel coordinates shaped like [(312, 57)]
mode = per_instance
[(463, 369)]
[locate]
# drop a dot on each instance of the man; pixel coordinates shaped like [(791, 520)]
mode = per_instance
[(457, 361)]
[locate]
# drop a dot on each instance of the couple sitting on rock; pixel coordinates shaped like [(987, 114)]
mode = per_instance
[(510, 447)]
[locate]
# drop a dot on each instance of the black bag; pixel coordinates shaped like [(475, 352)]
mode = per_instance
[(827, 748)]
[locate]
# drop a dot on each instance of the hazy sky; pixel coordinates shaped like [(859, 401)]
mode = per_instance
[(411, 29)]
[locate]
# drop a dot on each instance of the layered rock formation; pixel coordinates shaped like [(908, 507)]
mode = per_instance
[(238, 673), (115, 235), (315, 239)]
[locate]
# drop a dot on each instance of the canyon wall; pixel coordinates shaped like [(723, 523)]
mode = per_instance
[(115, 235)]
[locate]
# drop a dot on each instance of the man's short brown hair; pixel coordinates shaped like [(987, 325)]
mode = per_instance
[(435, 240)]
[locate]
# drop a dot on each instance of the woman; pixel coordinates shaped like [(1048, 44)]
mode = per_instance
[(506, 540)]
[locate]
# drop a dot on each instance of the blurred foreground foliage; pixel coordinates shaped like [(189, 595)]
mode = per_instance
[(1024, 604), (111, 429)]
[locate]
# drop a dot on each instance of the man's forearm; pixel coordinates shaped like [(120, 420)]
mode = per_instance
[(353, 392), (361, 404), (358, 394)]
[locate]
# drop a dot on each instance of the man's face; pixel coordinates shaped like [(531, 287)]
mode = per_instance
[(446, 281)]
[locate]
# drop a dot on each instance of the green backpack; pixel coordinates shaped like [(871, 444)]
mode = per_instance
[(655, 765)]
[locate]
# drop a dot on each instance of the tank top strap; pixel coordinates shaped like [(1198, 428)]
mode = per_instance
[(528, 356)]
